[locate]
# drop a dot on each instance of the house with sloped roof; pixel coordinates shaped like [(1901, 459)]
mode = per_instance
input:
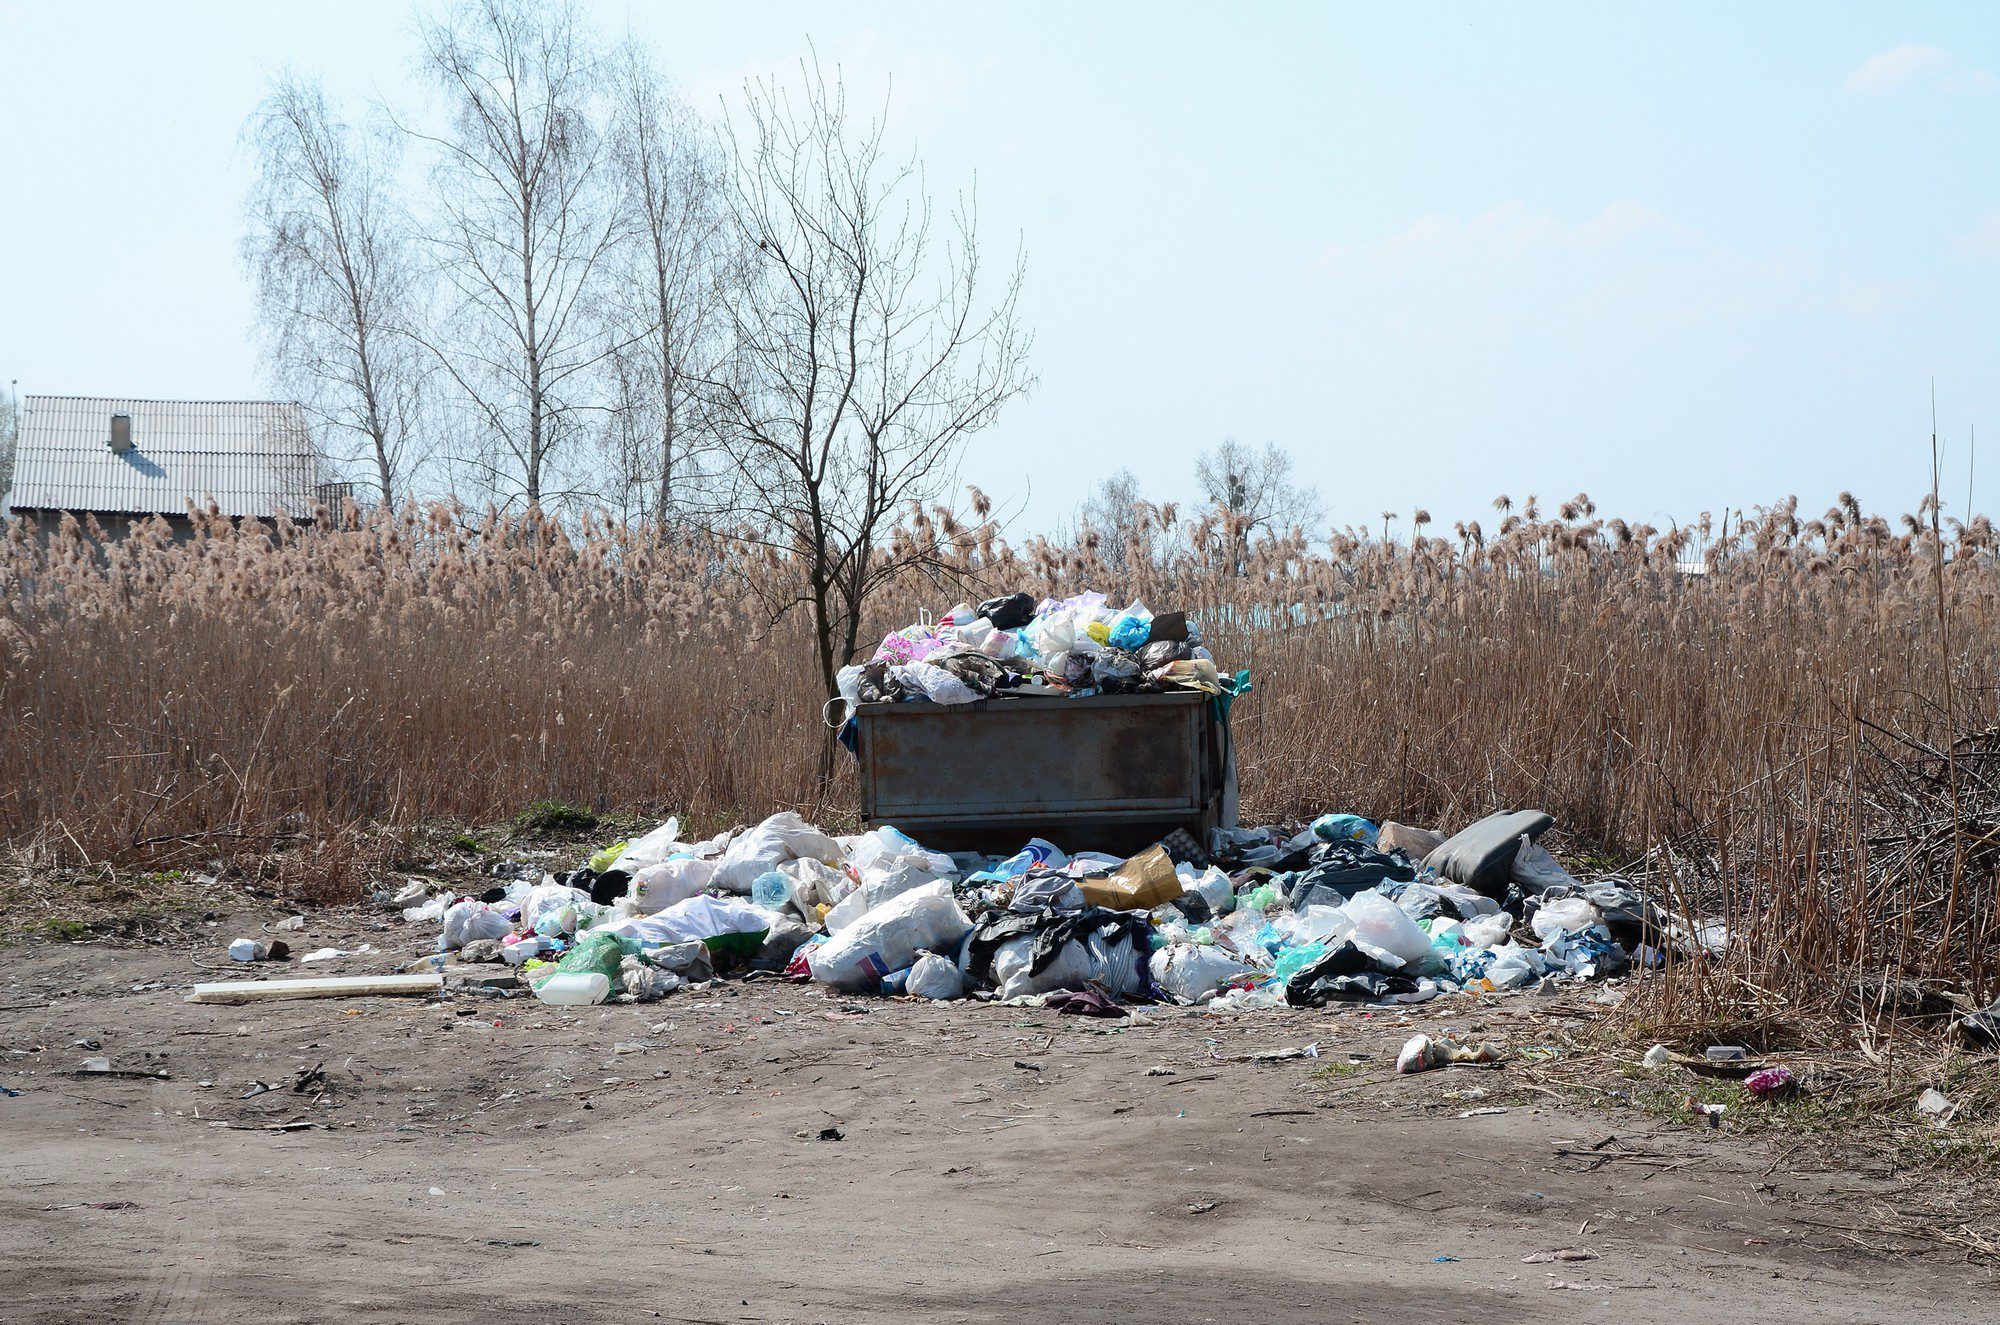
[(123, 461)]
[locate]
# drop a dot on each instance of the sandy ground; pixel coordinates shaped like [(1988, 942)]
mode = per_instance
[(766, 1152)]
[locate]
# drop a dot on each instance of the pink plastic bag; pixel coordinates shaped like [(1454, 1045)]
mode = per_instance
[(910, 644)]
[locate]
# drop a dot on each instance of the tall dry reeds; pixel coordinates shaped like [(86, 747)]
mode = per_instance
[(1760, 724)]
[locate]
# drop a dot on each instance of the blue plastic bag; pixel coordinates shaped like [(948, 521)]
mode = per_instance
[(1344, 828), (1131, 628)]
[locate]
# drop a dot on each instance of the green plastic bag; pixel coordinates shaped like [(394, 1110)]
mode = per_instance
[(594, 952), (608, 857), (1293, 960)]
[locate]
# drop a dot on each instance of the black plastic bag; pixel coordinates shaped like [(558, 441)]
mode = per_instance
[(1010, 613), (1345, 974), (604, 889), (1339, 870)]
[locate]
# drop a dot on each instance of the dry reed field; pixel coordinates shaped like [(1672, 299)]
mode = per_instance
[(1788, 724)]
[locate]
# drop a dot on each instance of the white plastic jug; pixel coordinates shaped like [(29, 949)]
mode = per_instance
[(572, 988)]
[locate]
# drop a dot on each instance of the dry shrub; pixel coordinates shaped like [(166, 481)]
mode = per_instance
[(1735, 736)]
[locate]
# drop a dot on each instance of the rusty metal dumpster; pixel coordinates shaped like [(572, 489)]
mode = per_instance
[(1108, 773)]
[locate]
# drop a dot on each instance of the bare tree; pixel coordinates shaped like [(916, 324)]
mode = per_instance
[(1113, 512), (677, 265), (864, 354), (337, 282), (1256, 490), (524, 231)]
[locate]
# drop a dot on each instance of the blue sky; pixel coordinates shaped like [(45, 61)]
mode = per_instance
[(1679, 257)]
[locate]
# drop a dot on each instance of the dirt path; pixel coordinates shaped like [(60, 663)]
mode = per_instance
[(495, 1159)]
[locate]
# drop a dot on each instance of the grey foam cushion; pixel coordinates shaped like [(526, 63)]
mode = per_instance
[(1482, 856)]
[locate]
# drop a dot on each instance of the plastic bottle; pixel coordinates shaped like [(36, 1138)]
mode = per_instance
[(571, 988), (772, 891)]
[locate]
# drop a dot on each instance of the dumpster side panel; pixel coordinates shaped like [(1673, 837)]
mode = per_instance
[(1015, 766)]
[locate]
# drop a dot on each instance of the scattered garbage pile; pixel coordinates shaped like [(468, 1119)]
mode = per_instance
[(1341, 911), (1014, 646)]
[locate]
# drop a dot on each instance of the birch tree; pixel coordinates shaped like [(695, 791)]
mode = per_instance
[(337, 283), (677, 265), (523, 233)]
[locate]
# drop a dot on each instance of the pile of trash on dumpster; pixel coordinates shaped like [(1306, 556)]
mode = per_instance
[(1014, 646), (1340, 911)]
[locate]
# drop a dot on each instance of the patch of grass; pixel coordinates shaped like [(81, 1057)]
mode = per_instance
[(466, 843), (56, 929), (554, 818)]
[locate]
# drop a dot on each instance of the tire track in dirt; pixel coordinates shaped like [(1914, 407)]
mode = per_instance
[(178, 1286)]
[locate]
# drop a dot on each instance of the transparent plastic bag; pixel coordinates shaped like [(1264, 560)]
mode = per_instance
[(468, 922), (1380, 923), (1570, 915), (1190, 972)]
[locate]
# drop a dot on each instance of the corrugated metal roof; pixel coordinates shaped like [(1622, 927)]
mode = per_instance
[(252, 456)]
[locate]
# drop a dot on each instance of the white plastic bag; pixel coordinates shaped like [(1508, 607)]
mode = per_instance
[(878, 885), (645, 982), (1565, 916), (1380, 924), (888, 938), (469, 921), (690, 921), (780, 838), (1514, 966), (1318, 923), (1190, 972), (660, 885), (971, 635), (653, 848), (935, 977), (1052, 636), (434, 909)]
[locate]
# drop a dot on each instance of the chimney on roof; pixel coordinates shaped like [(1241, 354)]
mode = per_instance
[(121, 433)]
